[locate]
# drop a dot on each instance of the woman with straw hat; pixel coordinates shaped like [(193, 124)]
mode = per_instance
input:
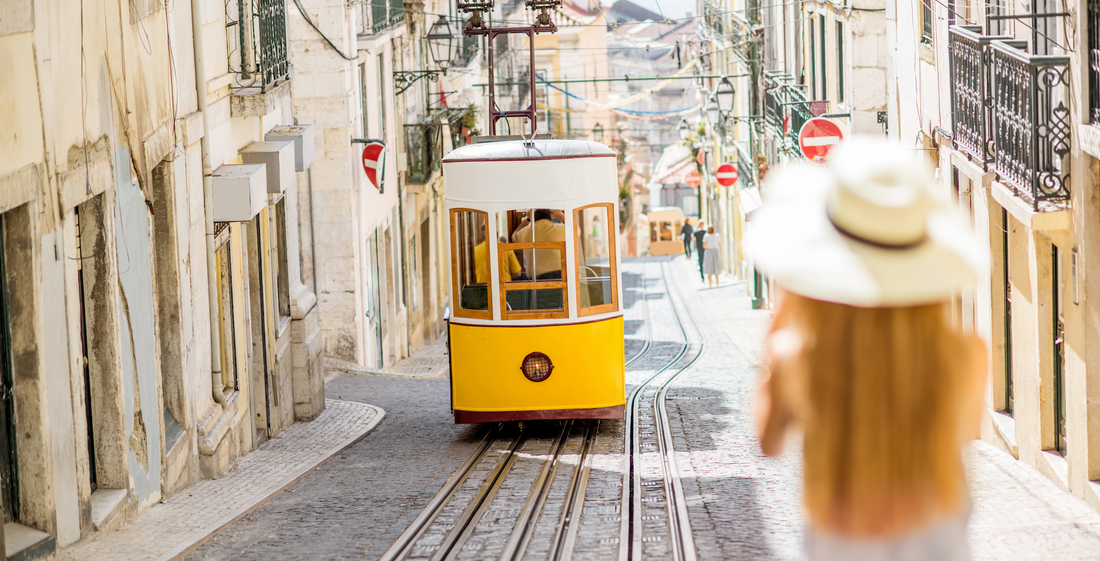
[(862, 356)]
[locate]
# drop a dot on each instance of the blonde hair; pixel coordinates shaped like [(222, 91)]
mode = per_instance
[(880, 394)]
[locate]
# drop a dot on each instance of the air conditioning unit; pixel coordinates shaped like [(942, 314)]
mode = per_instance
[(279, 159), (303, 139), (240, 191)]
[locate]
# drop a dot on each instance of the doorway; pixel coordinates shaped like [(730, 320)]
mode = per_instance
[(9, 473), (427, 314), (374, 308), (84, 351)]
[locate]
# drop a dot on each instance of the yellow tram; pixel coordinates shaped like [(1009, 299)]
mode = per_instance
[(536, 329), (664, 231)]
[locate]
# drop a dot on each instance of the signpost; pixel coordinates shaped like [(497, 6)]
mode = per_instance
[(817, 137), (727, 174), (693, 179), (373, 162)]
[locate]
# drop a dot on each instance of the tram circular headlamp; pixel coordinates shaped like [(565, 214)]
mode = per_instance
[(537, 367)]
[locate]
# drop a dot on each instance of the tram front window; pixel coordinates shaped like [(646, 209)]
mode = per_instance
[(470, 254), (595, 259), (535, 239)]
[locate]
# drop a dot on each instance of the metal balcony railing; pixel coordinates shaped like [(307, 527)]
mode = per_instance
[(715, 19), (256, 42), (380, 15), (746, 171), (775, 112), (799, 111), (971, 89), (467, 51), (1031, 124)]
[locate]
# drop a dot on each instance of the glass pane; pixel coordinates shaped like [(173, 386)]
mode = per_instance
[(594, 255), (471, 231), (542, 299), (533, 226)]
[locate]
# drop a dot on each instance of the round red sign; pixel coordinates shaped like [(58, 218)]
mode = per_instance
[(817, 137), (693, 179), (373, 165), (727, 174)]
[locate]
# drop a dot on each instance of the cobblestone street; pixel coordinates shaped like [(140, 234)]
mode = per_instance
[(741, 505)]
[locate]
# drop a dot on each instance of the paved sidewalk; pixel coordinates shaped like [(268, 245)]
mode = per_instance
[(173, 529), (429, 362)]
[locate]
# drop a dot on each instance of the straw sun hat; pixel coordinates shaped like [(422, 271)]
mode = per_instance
[(867, 229)]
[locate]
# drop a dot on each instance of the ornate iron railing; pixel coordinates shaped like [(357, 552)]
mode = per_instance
[(256, 42), (715, 19), (746, 170), (799, 108), (774, 98), (384, 14), (1031, 124), (971, 90)]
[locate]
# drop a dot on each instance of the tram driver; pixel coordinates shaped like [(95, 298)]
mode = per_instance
[(549, 226)]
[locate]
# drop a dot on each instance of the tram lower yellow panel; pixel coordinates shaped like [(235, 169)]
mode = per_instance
[(588, 366)]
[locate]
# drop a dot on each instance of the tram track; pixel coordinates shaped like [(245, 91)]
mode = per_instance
[(437, 538)]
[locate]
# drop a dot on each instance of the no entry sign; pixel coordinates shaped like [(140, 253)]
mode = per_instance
[(693, 179), (817, 137), (373, 164), (727, 174)]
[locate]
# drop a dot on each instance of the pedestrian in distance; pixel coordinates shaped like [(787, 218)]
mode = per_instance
[(862, 356), (699, 233), (712, 262), (685, 233)]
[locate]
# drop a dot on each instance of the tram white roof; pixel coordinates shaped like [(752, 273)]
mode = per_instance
[(570, 172), (541, 149)]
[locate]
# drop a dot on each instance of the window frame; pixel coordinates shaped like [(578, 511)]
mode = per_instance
[(613, 256), (459, 311), (927, 22), (563, 284)]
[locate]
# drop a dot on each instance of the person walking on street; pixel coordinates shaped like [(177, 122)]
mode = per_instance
[(698, 235), (685, 233), (862, 354), (712, 263)]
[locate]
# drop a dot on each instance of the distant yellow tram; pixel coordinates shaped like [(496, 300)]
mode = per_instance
[(536, 330)]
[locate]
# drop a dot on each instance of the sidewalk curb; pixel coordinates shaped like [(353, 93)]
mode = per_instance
[(200, 537)]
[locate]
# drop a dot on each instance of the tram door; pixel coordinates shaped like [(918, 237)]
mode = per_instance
[(8, 483)]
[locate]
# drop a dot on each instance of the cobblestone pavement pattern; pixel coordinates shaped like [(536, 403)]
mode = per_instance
[(742, 505), (178, 524)]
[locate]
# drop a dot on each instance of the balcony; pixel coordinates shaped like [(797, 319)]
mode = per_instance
[(467, 51), (775, 98), (377, 16), (1009, 114), (256, 43), (746, 171), (800, 112), (1031, 127), (716, 19)]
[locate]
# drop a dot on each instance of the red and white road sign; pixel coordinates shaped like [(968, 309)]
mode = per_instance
[(693, 179), (373, 164), (727, 174), (817, 137)]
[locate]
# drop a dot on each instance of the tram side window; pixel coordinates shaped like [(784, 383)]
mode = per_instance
[(469, 258), (531, 250), (595, 259)]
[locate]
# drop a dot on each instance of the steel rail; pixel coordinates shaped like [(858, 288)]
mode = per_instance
[(630, 541), (464, 527), (401, 547), (521, 534), (565, 535)]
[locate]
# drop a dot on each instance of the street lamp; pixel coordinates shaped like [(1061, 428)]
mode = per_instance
[(597, 132), (725, 93), (441, 43), (685, 129), (713, 114)]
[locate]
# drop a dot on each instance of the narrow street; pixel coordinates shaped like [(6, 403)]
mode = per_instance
[(692, 348)]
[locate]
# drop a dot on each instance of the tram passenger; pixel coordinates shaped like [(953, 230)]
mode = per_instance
[(549, 226), (509, 265)]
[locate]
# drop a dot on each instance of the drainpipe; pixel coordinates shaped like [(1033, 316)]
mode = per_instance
[(208, 196)]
